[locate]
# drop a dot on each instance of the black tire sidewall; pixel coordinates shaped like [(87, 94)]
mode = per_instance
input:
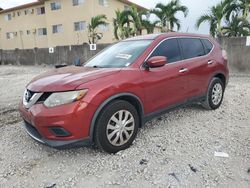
[(212, 84), (102, 122)]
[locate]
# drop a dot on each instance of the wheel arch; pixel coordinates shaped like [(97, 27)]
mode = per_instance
[(129, 97), (222, 77)]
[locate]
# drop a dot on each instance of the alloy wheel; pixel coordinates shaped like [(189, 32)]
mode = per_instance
[(217, 93)]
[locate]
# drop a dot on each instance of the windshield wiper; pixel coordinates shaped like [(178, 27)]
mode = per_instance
[(96, 66)]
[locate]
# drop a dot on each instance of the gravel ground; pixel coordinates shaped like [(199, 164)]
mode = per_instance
[(175, 150)]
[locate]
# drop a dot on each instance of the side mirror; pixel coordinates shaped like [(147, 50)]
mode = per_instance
[(156, 61)]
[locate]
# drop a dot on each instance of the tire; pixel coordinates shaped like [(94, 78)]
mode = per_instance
[(113, 135), (213, 100)]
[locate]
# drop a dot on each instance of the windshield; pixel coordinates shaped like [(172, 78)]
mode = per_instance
[(119, 55)]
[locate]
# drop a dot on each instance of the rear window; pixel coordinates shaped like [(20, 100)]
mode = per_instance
[(192, 48), (207, 45)]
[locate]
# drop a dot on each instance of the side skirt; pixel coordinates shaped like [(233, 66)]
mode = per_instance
[(158, 113)]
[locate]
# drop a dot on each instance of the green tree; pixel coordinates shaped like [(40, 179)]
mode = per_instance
[(240, 8), (237, 27), (167, 14), (93, 33), (135, 18), (214, 18), (244, 6), (149, 26), (121, 24)]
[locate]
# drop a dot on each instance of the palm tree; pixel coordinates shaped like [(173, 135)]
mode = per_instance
[(214, 18), (244, 6), (121, 24), (238, 27), (136, 18), (167, 14), (149, 26), (237, 7), (95, 22), (231, 9)]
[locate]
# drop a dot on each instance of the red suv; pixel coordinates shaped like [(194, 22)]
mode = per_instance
[(107, 99)]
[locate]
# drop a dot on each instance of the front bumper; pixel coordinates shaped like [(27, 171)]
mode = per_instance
[(74, 118), (33, 133)]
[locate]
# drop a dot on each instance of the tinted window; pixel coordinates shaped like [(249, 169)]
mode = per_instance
[(170, 49), (192, 48), (208, 45)]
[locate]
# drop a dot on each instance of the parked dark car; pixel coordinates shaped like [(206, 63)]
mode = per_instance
[(106, 100)]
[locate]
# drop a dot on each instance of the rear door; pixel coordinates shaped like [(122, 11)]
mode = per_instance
[(165, 86), (196, 61)]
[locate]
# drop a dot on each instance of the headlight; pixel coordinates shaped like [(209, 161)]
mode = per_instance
[(56, 99)]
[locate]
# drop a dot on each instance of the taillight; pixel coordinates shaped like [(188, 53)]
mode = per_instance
[(224, 54)]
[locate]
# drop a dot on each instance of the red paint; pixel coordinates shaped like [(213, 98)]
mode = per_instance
[(157, 88)]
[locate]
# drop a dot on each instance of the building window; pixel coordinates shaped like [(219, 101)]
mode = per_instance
[(40, 10), (55, 6), (8, 17), (77, 2), (10, 35), (79, 26), (19, 13), (57, 28), (103, 3), (104, 27), (42, 31), (29, 11), (28, 32)]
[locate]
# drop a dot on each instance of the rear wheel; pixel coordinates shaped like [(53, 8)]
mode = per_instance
[(214, 95), (116, 126)]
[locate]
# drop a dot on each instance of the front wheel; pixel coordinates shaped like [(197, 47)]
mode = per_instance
[(117, 126), (214, 94)]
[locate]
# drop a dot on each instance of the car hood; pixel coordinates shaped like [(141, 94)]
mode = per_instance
[(67, 78)]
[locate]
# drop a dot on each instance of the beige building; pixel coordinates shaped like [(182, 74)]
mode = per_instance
[(51, 23)]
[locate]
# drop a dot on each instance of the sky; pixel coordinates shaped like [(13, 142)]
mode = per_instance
[(196, 8)]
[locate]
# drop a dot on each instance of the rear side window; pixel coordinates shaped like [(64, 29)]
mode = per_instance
[(207, 45), (170, 49), (191, 48)]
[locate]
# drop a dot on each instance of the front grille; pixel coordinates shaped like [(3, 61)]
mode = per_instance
[(30, 98), (44, 97)]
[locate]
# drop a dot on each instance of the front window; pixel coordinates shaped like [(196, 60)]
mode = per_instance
[(170, 49), (119, 55)]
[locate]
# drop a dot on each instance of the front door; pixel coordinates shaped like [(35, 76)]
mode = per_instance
[(165, 86)]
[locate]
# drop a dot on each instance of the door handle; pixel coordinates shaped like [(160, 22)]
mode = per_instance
[(210, 62), (183, 70)]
